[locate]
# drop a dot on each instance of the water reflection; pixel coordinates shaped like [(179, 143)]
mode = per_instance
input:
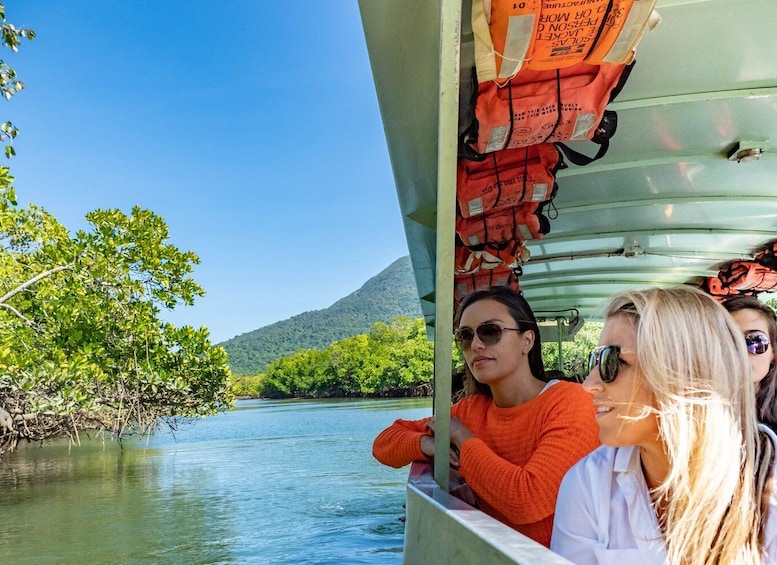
[(270, 482), (99, 503)]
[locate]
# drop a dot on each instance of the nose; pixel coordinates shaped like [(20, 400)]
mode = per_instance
[(477, 343), (593, 382)]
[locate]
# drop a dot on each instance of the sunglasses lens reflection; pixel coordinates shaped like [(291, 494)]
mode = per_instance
[(757, 343), (464, 337), (608, 364), (607, 359), (489, 333)]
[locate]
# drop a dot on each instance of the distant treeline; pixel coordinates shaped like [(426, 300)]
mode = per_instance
[(395, 359)]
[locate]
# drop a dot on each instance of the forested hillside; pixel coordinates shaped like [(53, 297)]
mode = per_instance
[(388, 295)]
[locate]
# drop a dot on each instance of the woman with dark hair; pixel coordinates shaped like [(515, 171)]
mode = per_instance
[(513, 441), (759, 324)]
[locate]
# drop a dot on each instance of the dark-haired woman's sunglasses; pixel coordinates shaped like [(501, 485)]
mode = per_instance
[(489, 333), (757, 342), (606, 356)]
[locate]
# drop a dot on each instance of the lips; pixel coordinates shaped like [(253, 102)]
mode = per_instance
[(480, 359), (602, 410)]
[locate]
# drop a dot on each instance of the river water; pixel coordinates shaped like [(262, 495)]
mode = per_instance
[(268, 482)]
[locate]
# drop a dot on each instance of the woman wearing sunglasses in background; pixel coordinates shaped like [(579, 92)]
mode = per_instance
[(513, 441), (757, 321), (685, 472)]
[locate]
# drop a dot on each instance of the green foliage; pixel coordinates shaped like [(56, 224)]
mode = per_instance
[(246, 386), (9, 82), (394, 359), (575, 353), (390, 294), (84, 346)]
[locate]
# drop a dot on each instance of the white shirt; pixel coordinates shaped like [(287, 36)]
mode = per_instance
[(604, 514)]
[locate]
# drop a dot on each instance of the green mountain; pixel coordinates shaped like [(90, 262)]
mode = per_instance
[(388, 295)]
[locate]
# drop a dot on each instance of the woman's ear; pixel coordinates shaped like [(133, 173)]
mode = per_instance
[(527, 341)]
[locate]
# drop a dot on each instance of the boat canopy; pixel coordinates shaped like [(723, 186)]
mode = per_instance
[(689, 182)]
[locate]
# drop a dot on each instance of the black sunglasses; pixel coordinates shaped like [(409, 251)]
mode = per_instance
[(606, 356), (757, 342), (489, 333)]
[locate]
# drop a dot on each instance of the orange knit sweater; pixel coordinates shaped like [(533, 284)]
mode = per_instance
[(516, 462)]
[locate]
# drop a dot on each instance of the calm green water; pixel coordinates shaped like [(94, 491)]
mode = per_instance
[(269, 482)]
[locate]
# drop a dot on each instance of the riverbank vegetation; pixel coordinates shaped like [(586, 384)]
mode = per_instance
[(83, 346), (83, 343), (395, 359)]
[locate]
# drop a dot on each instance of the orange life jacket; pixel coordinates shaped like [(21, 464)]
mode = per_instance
[(499, 229), (748, 275), (507, 178), (511, 36), (717, 288), (470, 260), (465, 284), (623, 30), (546, 106), (768, 257)]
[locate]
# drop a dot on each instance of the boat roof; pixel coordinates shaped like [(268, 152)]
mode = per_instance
[(668, 204)]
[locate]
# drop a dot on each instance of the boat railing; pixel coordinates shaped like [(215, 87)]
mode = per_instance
[(441, 528)]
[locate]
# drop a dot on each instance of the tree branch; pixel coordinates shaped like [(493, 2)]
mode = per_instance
[(32, 281), (27, 321)]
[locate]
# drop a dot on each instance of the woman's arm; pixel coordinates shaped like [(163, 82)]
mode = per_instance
[(401, 443)]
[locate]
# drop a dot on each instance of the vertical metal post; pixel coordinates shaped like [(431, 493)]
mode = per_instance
[(448, 120), (560, 338)]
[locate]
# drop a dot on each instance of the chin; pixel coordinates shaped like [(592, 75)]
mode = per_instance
[(613, 438), (609, 441)]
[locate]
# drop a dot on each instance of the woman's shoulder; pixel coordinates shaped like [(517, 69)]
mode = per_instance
[(568, 385), (565, 392), (478, 402), (603, 457), (569, 409)]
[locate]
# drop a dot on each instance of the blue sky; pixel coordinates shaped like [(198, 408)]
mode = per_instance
[(251, 126)]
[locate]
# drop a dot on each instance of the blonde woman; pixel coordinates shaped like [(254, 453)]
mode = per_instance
[(685, 472)]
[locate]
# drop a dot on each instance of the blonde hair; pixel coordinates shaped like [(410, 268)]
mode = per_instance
[(692, 357)]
